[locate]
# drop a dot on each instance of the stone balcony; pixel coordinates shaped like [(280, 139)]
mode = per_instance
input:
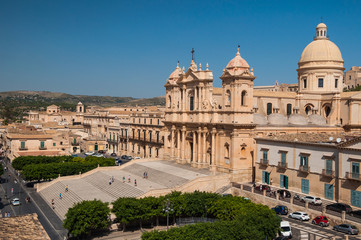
[(23, 148), (304, 169), (353, 176), (42, 148), (282, 165), (328, 173)]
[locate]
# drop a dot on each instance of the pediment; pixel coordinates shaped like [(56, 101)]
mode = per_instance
[(189, 76)]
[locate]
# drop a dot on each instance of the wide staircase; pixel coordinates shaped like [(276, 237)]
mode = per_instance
[(95, 185)]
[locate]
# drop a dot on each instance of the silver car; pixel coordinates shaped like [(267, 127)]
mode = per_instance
[(300, 216), (346, 228), (312, 200)]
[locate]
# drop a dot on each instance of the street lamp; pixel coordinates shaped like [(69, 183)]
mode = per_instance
[(168, 207)]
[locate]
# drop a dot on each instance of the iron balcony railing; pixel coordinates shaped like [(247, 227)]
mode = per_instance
[(353, 176), (304, 168), (328, 173), (264, 161), (282, 165)]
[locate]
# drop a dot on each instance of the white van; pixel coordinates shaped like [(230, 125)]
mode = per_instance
[(286, 229)]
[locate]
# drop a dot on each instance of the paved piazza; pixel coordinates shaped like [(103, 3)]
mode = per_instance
[(161, 175)]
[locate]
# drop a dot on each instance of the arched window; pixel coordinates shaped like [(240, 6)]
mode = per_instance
[(243, 151), (243, 98), (308, 110), (226, 149), (269, 108), (228, 95), (169, 101), (289, 109), (327, 111)]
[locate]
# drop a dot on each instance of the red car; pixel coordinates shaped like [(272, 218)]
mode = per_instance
[(321, 221)]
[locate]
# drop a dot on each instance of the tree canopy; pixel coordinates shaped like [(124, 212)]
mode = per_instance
[(87, 217)]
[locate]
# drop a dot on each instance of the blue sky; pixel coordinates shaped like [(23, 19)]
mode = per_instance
[(129, 48)]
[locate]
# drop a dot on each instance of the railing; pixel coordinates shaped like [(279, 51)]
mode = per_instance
[(42, 148), (304, 168), (23, 148), (112, 141), (282, 165), (328, 173), (263, 162), (353, 176)]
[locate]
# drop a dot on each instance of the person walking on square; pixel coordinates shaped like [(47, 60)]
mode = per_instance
[(271, 181), (144, 174), (129, 179), (135, 182), (66, 188), (110, 181), (112, 178), (123, 179), (60, 197)]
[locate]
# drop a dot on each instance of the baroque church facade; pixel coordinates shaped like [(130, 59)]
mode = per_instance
[(215, 128)]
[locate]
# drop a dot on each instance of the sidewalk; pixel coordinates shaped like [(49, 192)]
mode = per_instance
[(135, 235)]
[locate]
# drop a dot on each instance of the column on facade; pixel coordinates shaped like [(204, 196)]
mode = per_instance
[(232, 150), (199, 144), (172, 141), (194, 146), (183, 142), (184, 99), (213, 147), (178, 144), (195, 100), (205, 145)]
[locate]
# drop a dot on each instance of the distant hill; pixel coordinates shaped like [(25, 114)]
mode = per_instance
[(36, 100)]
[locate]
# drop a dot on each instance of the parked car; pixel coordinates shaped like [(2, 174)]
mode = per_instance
[(321, 220), (339, 207), (102, 151), (346, 228), (300, 216), (282, 191), (98, 155), (129, 158), (89, 153), (118, 161), (113, 154), (356, 213), (268, 188), (74, 155), (15, 202), (124, 157), (285, 229), (312, 200), (137, 158), (280, 209)]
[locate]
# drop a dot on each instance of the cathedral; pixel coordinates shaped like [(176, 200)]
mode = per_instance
[(216, 128)]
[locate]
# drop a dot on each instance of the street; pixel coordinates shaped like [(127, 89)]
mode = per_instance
[(11, 187)]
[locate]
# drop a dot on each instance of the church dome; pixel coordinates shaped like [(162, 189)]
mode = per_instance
[(175, 74), (316, 119), (321, 49), (277, 119), (237, 62), (259, 119), (297, 119)]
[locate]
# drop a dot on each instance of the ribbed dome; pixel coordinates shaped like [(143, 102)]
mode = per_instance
[(317, 119), (297, 119), (259, 119), (175, 74), (237, 62), (277, 119), (321, 50)]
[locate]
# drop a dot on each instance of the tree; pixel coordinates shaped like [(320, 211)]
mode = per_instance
[(87, 217), (126, 210)]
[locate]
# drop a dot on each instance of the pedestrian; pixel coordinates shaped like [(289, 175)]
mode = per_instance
[(129, 179), (144, 175), (260, 187), (284, 194), (66, 188), (271, 181), (110, 181), (112, 178), (135, 182), (123, 179), (60, 197)]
